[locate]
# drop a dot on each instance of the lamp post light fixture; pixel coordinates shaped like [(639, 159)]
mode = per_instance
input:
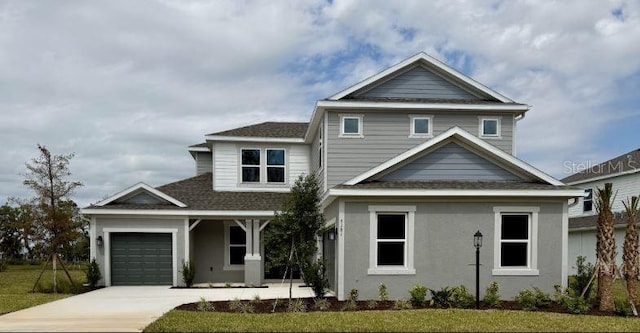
[(99, 241), (477, 243)]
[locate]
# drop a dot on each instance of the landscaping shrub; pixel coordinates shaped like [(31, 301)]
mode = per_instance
[(235, 304), (3, 265), (401, 304), (296, 305), (353, 295), (315, 276), (492, 297), (623, 307), (383, 295), (527, 300), (188, 272), (442, 298), (93, 273), (542, 299), (246, 308), (418, 295), (584, 271), (352, 298), (255, 299), (372, 304), (321, 304), (462, 298), (203, 305)]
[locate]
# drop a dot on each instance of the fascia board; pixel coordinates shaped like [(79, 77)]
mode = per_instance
[(512, 108), (177, 212), (252, 139), (454, 193)]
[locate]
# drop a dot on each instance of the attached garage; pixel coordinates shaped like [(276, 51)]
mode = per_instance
[(141, 258)]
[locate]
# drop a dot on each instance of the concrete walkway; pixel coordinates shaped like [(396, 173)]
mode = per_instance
[(125, 309)]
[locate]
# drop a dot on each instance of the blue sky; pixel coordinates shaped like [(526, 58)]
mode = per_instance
[(127, 86)]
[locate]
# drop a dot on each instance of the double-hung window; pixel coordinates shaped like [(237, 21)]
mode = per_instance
[(587, 202), (421, 126), (275, 166), (516, 237), (490, 127), (235, 246), (391, 243), (250, 165)]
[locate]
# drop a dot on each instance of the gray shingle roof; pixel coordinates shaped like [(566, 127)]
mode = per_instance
[(197, 193), (590, 221), (625, 162), (269, 130), (199, 145), (455, 185)]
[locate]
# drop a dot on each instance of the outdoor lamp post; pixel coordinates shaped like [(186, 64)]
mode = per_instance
[(477, 242)]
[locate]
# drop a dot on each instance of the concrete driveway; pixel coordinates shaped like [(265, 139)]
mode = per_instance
[(125, 309)]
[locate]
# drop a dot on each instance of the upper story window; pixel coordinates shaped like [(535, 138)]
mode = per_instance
[(490, 127), (275, 166), (351, 126), (516, 237), (421, 126), (320, 147), (250, 165), (270, 170), (587, 202)]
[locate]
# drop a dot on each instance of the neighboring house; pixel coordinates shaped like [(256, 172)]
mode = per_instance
[(411, 162), (624, 173)]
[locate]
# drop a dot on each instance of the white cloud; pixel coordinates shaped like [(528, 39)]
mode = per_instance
[(128, 85)]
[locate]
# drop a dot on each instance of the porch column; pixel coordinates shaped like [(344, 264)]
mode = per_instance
[(252, 258)]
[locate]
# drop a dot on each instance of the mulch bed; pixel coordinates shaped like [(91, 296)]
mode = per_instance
[(267, 306)]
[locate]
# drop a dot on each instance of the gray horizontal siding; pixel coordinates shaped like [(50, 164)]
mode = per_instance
[(386, 135), (450, 162), (203, 163), (417, 83)]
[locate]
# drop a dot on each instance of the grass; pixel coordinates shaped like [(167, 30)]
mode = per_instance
[(404, 320), (17, 281)]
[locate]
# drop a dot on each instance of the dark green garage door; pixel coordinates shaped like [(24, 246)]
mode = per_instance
[(141, 258)]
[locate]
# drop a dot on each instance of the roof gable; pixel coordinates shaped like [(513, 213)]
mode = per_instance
[(449, 162), (430, 63), (415, 83), (141, 193), (469, 142)]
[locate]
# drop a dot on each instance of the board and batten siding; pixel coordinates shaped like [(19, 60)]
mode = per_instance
[(450, 162), (386, 135), (625, 186), (226, 170), (204, 163), (417, 82)]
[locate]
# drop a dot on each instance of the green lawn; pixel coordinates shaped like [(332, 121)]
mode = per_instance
[(403, 320), (17, 281)]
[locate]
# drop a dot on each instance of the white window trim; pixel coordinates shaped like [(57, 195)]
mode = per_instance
[(498, 134), (412, 127), (227, 244), (408, 267), (266, 165), (532, 249), (259, 166), (360, 126), (263, 168)]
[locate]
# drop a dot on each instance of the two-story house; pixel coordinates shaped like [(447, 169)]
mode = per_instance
[(412, 162), (623, 172)]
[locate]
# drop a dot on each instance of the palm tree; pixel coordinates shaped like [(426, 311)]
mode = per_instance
[(630, 251), (605, 247)]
